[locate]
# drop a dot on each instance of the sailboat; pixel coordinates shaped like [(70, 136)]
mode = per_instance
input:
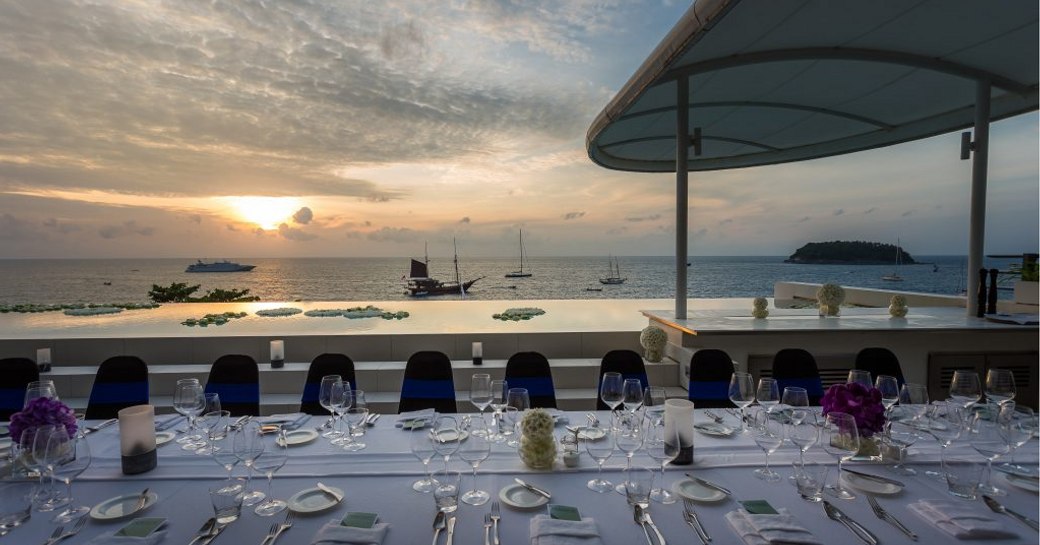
[(520, 273), (894, 275), (614, 273), (420, 284)]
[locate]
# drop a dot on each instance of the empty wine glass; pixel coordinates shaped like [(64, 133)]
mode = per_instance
[(519, 398), (1021, 425), (610, 389), (272, 459), (189, 399), (742, 394), (841, 440), (446, 436), (889, 388), (965, 389), (1000, 385), (326, 401), (499, 396), (946, 424), (628, 437), (990, 439), (803, 431), (48, 499), (860, 376), (632, 394), (662, 445), (768, 432), (421, 443), (356, 418), (653, 403), (248, 446), (793, 399), (900, 433), (341, 399), (70, 457), (510, 421), (39, 388), (475, 450), (480, 396), (768, 393), (600, 450), (915, 398), (222, 445), (207, 423)]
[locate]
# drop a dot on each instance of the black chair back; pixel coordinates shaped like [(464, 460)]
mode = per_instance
[(428, 383), (236, 378), (325, 364), (797, 367), (628, 363), (120, 382), (879, 361), (531, 370), (15, 375), (710, 372)]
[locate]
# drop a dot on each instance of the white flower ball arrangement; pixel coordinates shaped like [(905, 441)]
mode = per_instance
[(897, 306), (653, 339), (761, 308), (537, 444), (830, 297)]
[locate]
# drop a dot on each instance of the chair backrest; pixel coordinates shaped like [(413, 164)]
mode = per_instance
[(236, 378), (531, 370), (325, 364), (120, 382), (797, 367), (879, 361), (710, 372), (15, 375), (628, 363), (428, 383)]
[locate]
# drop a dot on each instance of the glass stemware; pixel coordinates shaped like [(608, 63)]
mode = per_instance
[(768, 432), (499, 396), (990, 439), (628, 438), (248, 445), (860, 376), (901, 432), (1021, 425), (889, 388), (445, 436), (653, 403), (475, 450), (841, 440), (340, 398), (511, 421), (946, 424), (325, 400), (189, 399), (663, 447), (480, 396), (356, 418), (803, 431), (272, 459), (600, 450), (71, 457), (632, 394), (742, 394), (965, 388), (421, 443), (610, 390), (35, 441), (915, 398), (794, 398), (39, 388), (768, 393), (1000, 386), (222, 445), (210, 422)]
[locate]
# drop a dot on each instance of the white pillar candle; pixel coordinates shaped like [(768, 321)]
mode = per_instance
[(137, 439), (478, 350), (43, 355), (277, 350), (678, 420)]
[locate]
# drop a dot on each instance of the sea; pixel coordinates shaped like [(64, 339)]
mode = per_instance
[(66, 281)]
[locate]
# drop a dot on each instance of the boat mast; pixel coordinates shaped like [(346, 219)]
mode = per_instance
[(458, 279), (521, 251)]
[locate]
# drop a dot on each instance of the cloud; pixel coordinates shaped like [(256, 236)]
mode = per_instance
[(127, 228), (803, 219), (908, 213), (650, 217), (464, 220), (303, 216), (573, 215), (394, 234), (63, 228), (13, 228), (232, 228), (195, 218), (870, 210), (292, 233), (726, 221), (839, 212)]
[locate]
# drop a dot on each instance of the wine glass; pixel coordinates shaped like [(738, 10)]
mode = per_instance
[(1021, 425), (860, 376), (197, 442), (610, 389), (662, 445), (511, 419), (965, 389), (768, 393), (272, 459), (990, 439), (208, 423), (915, 398), (341, 399), (189, 399), (39, 388), (446, 436), (628, 437), (248, 445), (946, 425), (900, 433), (803, 431), (794, 401), (356, 418), (519, 398), (499, 396), (632, 394), (421, 443), (768, 433), (480, 396), (653, 403), (36, 442), (1000, 385), (742, 394), (840, 439), (70, 456), (889, 388), (325, 400), (475, 450), (600, 450), (222, 445)]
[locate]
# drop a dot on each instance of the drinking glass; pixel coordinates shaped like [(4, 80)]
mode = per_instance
[(768, 393), (212, 402), (768, 432), (632, 394), (422, 447), (965, 389), (39, 388), (639, 482), (1000, 385), (809, 479), (662, 447), (341, 398), (446, 491), (915, 398), (480, 396), (1021, 425), (901, 432), (803, 431), (860, 376), (840, 439), (214, 425), (742, 394), (359, 401), (946, 424), (610, 389), (272, 459), (518, 398), (511, 419), (628, 437), (990, 439), (962, 473), (222, 444), (325, 399), (189, 399), (795, 402), (889, 388), (653, 403), (48, 499), (248, 445), (356, 418), (68, 458), (475, 450), (600, 450), (499, 397), (15, 501), (445, 436), (227, 500)]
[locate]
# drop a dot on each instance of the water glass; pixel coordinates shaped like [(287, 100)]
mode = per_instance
[(632, 394), (15, 501), (768, 393), (639, 481), (861, 377), (326, 400), (742, 394), (39, 388), (809, 478), (446, 490), (499, 397), (889, 388), (962, 473), (422, 447), (663, 447), (840, 438), (227, 500), (510, 421), (611, 389), (653, 403), (480, 395), (768, 431), (965, 389), (915, 398), (1000, 386), (600, 450), (518, 398)]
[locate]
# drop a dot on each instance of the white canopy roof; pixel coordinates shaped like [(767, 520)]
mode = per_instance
[(774, 81)]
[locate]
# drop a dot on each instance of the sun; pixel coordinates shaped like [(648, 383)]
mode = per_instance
[(267, 212)]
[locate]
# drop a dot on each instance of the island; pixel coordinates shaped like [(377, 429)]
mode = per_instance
[(850, 252)]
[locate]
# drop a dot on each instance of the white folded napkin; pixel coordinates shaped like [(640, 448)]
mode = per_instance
[(289, 421), (109, 538), (335, 533), (423, 415), (960, 519), (766, 529), (549, 531)]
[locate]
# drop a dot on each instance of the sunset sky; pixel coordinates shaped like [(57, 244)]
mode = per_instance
[(180, 128)]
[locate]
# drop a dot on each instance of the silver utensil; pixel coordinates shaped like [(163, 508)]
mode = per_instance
[(91, 429), (691, 518), (496, 514), (593, 421), (336, 496), (207, 527), (487, 528), (270, 533), (438, 525), (645, 515), (710, 484), (372, 417), (213, 535), (61, 533), (285, 525), (451, 531), (142, 500), (637, 516), (168, 423), (875, 478), (880, 513), (237, 424), (533, 488), (713, 416), (856, 528), (997, 507)]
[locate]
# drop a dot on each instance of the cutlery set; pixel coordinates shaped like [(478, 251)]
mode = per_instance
[(691, 518), (61, 533), (442, 522), (642, 518), (277, 529), (96, 427)]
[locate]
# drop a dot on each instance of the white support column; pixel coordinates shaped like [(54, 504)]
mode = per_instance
[(682, 191), (979, 166)]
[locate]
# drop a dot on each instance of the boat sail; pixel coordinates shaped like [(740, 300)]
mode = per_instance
[(520, 273), (894, 275), (420, 284), (614, 273)]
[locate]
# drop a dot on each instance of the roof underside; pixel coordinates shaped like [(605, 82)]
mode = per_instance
[(775, 81)]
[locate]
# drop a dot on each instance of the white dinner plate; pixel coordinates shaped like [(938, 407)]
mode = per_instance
[(696, 491), (1026, 483), (122, 506), (313, 500), (163, 437), (447, 436), (298, 437), (519, 497), (590, 434), (714, 428), (870, 485)]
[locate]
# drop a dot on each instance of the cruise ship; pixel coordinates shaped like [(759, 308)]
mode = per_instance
[(218, 266)]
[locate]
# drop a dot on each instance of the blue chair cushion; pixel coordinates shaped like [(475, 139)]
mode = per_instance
[(235, 393), (119, 392), (427, 389)]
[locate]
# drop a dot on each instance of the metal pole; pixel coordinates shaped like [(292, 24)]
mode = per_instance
[(682, 191), (980, 159)]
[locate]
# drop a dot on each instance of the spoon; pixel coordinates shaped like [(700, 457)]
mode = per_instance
[(438, 525), (998, 508)]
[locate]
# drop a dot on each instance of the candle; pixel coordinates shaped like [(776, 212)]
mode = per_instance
[(43, 359), (478, 353), (277, 354), (678, 421), (137, 439)]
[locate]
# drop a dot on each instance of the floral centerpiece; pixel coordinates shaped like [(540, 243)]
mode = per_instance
[(830, 297), (897, 306), (864, 404), (653, 340), (38, 412), (760, 308), (537, 444)]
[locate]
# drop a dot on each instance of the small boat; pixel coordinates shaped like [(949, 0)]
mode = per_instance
[(520, 273), (894, 275), (421, 285), (614, 275), (593, 289), (218, 266)]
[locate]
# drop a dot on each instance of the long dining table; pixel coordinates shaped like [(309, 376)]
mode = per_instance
[(378, 479)]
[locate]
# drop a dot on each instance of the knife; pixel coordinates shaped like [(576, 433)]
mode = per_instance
[(650, 521), (142, 501), (168, 423), (637, 515), (451, 531), (720, 488), (213, 535), (91, 429), (533, 488), (330, 492), (877, 478), (856, 528)]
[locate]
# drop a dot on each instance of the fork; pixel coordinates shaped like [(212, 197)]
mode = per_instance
[(713, 416), (61, 533), (270, 534), (690, 515), (496, 514), (887, 517), (285, 525), (487, 528)]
